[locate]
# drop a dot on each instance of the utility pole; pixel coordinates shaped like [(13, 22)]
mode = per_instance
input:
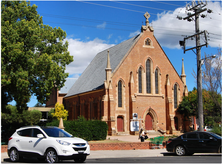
[(197, 8)]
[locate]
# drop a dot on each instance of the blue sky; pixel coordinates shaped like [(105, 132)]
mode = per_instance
[(93, 26)]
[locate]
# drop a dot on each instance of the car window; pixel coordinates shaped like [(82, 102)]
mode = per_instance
[(35, 132), (192, 135), (204, 136), (25, 132), (56, 132)]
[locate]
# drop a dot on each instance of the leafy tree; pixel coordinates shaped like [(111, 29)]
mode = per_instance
[(60, 112), (188, 107), (33, 55), (39, 105), (12, 115), (32, 117)]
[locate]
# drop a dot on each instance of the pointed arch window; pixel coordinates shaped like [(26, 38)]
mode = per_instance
[(120, 93), (175, 96), (140, 80), (148, 77), (148, 42), (156, 81)]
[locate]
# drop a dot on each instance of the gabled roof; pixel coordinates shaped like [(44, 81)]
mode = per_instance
[(68, 84), (94, 75)]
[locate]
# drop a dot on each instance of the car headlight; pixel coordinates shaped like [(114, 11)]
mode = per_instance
[(63, 142)]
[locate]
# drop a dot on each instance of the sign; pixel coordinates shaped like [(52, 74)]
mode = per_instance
[(134, 126)]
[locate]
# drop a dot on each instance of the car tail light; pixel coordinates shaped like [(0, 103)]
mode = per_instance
[(169, 141), (9, 138), (205, 130)]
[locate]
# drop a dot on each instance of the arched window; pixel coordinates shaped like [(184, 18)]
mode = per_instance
[(140, 80), (148, 77), (120, 91), (148, 42), (175, 96), (156, 81)]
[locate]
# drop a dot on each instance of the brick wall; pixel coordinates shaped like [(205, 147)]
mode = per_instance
[(113, 146)]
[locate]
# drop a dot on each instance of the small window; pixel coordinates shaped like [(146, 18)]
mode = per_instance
[(148, 42), (25, 132)]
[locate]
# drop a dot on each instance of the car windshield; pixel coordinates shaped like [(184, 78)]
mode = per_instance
[(215, 135), (55, 132)]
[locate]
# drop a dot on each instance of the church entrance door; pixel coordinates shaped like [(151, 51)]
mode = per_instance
[(148, 122), (120, 124)]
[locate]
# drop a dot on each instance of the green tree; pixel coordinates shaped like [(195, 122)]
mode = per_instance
[(32, 117), (188, 107), (60, 112), (33, 55)]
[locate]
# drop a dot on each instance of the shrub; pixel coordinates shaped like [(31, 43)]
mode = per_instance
[(216, 129), (88, 130)]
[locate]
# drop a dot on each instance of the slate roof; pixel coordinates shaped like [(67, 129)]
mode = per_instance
[(94, 75), (68, 84)]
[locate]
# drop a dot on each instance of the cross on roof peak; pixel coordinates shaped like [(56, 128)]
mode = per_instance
[(147, 15)]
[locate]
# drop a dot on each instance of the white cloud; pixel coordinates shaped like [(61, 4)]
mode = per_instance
[(169, 30), (134, 33), (83, 53), (110, 36), (103, 25)]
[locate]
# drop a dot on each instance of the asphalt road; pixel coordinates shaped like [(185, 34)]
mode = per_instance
[(164, 158)]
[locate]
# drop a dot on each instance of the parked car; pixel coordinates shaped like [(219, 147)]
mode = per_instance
[(46, 143), (195, 142), (208, 128)]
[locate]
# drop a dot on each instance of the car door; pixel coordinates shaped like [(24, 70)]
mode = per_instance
[(208, 143), (23, 140), (191, 142), (35, 144)]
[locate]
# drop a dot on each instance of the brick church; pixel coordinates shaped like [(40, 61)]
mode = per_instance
[(131, 84)]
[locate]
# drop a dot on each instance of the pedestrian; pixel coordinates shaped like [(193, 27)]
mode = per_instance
[(142, 135)]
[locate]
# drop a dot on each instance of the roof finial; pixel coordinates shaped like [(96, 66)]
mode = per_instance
[(108, 60), (183, 71), (147, 15)]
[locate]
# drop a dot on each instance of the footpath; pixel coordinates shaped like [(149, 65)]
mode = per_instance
[(129, 147)]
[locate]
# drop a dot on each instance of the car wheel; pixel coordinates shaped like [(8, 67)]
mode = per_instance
[(180, 151), (51, 156), (80, 159), (14, 155)]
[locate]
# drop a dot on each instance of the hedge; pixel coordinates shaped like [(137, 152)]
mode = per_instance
[(88, 130)]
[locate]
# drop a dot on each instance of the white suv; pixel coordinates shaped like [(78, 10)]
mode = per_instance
[(46, 143)]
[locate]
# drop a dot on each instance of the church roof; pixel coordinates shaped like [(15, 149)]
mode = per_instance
[(68, 84), (94, 75)]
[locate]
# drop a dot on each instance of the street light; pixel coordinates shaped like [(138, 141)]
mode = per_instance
[(199, 90), (202, 60)]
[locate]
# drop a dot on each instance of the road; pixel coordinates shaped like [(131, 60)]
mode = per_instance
[(156, 156)]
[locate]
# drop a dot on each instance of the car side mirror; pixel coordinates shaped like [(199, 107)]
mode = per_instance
[(40, 136)]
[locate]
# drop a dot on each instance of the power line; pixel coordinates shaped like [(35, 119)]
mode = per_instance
[(139, 6), (112, 7)]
